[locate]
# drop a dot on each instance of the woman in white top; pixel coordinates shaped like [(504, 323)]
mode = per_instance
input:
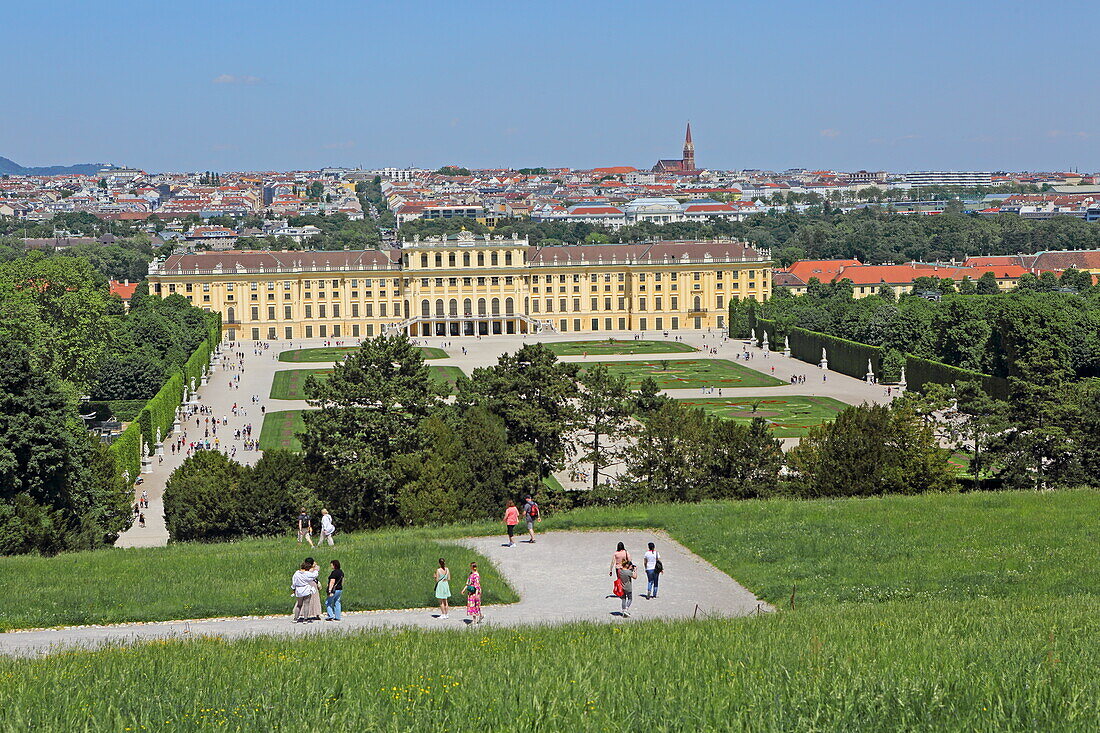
[(304, 587), (327, 528), (653, 577)]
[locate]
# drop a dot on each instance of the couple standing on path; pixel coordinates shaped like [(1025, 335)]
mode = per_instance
[(472, 591), (307, 593), (625, 573), (511, 519)]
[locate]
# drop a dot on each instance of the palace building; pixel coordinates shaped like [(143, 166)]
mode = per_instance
[(469, 285)]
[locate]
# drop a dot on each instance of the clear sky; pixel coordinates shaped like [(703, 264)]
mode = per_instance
[(241, 85)]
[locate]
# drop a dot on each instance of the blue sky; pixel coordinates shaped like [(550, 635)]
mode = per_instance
[(247, 85)]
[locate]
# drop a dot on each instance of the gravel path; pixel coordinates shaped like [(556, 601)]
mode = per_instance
[(561, 578)]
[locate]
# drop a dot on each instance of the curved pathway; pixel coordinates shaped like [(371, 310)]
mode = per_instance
[(561, 578)]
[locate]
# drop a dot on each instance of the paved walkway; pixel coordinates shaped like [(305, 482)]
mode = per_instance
[(260, 368), (561, 578)]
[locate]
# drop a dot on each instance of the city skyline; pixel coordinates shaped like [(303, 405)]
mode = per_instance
[(211, 87)]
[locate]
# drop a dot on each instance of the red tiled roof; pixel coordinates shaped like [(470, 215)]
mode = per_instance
[(823, 270), (123, 290)]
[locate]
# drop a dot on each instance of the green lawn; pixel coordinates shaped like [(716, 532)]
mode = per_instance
[(968, 666), (280, 428), (611, 346), (689, 373), (928, 613), (390, 569), (336, 353), (789, 417), (289, 384)]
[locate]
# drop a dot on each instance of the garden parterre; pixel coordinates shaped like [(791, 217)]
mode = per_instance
[(788, 417), (289, 384), (688, 373), (337, 353), (602, 347)]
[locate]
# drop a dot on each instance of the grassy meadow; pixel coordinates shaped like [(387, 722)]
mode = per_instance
[(688, 373), (922, 548), (927, 613), (605, 347), (337, 353), (390, 569), (970, 665)]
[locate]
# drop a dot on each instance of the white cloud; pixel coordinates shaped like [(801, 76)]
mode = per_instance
[(1080, 135), (830, 132), (236, 79)]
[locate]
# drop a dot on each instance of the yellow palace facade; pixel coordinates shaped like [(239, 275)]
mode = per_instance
[(469, 285)]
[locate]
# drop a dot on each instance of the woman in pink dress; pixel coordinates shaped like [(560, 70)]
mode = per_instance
[(473, 594)]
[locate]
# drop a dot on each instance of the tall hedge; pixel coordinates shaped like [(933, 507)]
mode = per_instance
[(160, 411), (850, 357), (846, 357), (125, 449), (919, 372)]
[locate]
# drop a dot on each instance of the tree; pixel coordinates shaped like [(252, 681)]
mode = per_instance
[(967, 287), (201, 498), (649, 398), (368, 413), (668, 460), (459, 475), (58, 487), (602, 419), (744, 460), (739, 311), (532, 392), (870, 450), (128, 378), (272, 493)]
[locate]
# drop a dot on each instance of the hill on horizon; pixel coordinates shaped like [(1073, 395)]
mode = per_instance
[(11, 168)]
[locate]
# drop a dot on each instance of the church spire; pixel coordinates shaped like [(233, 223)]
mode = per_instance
[(689, 151)]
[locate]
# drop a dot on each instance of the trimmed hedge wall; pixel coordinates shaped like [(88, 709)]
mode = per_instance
[(919, 372), (846, 357), (160, 411), (125, 449), (850, 357)]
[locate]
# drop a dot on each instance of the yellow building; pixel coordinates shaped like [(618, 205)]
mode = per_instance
[(469, 285)]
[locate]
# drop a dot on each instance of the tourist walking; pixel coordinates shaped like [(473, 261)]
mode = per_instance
[(303, 585), (511, 519), (335, 590), (305, 527), (327, 528), (443, 588), (618, 558), (473, 594), (627, 573), (531, 514), (653, 569)]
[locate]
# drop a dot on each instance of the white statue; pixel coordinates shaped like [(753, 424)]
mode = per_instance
[(824, 359), (786, 348), (870, 373)]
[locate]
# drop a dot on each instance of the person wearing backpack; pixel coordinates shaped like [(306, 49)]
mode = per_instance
[(531, 514), (653, 569)]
